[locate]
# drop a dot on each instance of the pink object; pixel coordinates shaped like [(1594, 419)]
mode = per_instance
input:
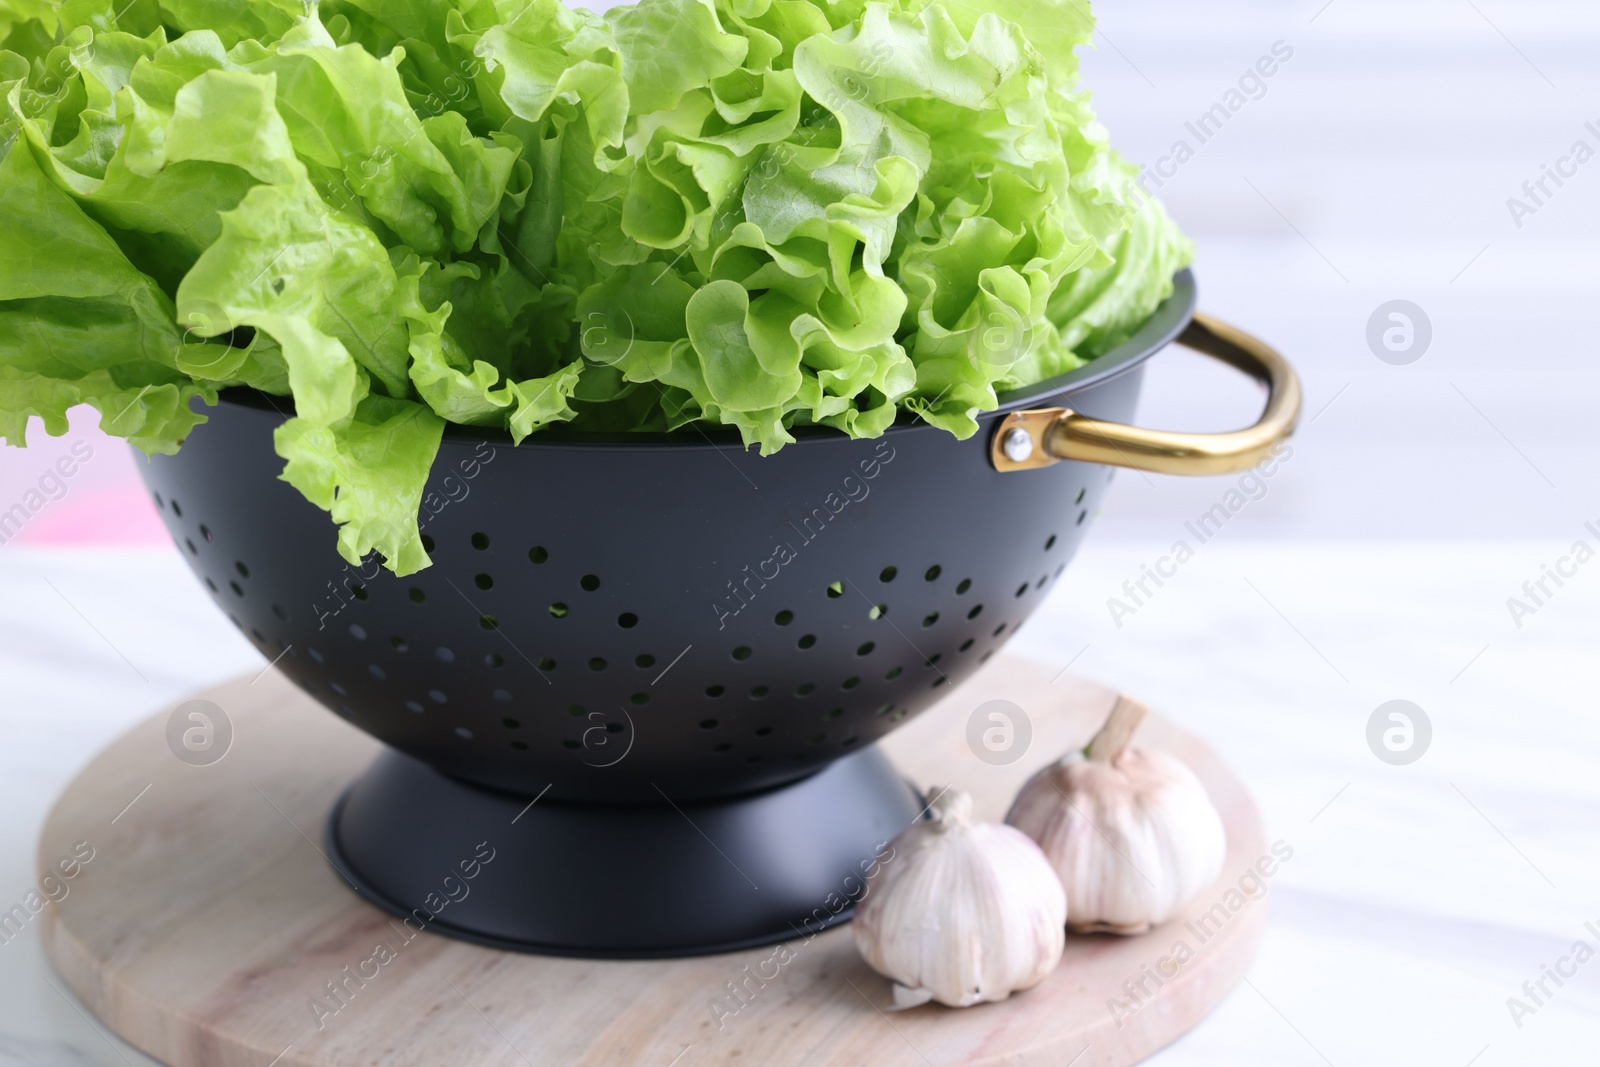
[(121, 515), (82, 488)]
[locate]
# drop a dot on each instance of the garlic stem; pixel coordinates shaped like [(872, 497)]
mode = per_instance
[(1112, 740), (950, 808)]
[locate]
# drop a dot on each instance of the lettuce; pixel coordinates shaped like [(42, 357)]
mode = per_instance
[(758, 214)]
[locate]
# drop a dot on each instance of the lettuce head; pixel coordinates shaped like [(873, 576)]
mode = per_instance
[(755, 214)]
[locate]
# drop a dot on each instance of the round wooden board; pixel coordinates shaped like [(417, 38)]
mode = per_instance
[(208, 924)]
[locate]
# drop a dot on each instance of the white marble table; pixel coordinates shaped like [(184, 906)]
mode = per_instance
[(1419, 897)]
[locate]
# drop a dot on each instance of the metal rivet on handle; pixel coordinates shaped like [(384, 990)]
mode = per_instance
[(1018, 445)]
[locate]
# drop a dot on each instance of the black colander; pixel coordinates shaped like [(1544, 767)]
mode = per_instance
[(622, 626)]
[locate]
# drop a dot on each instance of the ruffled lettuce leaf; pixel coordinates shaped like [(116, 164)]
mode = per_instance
[(368, 471)]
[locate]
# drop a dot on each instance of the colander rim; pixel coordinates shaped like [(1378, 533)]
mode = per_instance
[(1159, 330)]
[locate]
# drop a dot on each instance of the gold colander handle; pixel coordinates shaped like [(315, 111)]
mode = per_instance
[(1039, 437)]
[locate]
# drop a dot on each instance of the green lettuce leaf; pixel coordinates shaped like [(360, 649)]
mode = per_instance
[(368, 471)]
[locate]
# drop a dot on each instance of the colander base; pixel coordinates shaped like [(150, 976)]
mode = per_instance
[(617, 881)]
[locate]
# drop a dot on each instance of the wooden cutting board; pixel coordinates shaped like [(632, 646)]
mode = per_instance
[(207, 927)]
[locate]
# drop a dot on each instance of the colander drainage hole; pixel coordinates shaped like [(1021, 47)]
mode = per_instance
[(644, 660), (503, 695), (965, 645), (932, 573), (576, 711), (338, 689), (742, 653), (627, 620), (878, 611), (834, 713), (484, 581), (464, 733), (763, 731), (929, 619), (866, 649), (807, 641), (237, 588), (398, 643), (315, 655), (437, 696), (480, 541), (714, 691), (1022, 590), (835, 590), (783, 618), (417, 595), (488, 622), (211, 585), (597, 664), (280, 612), (759, 692), (558, 610), (806, 689), (851, 682), (1043, 578), (1084, 514), (724, 747), (887, 574), (358, 631), (537, 554), (413, 706), (589, 582), (205, 531), (176, 510), (640, 698), (511, 724), (493, 659), (998, 630), (546, 663), (937, 682), (570, 743), (444, 655), (708, 724), (966, 583), (238, 565), (894, 672), (975, 612), (377, 672), (519, 746)]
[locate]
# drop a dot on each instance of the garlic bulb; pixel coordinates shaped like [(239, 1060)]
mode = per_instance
[(1131, 832), (964, 912)]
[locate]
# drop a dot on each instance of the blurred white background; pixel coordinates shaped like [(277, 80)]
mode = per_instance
[(1377, 166)]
